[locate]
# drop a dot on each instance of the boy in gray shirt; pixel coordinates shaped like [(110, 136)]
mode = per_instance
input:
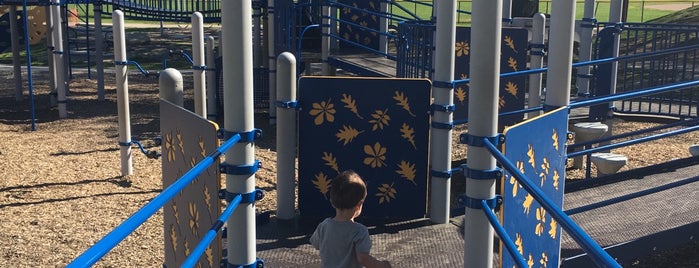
[(341, 241)]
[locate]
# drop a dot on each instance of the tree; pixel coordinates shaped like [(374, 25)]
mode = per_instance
[(524, 8)]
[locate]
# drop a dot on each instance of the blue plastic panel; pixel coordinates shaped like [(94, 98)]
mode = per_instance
[(356, 34), (513, 58), (187, 139), (377, 127), (537, 147)]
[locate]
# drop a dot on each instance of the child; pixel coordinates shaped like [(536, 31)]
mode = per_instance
[(341, 241)]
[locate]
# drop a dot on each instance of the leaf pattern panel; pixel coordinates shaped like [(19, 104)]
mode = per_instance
[(380, 130)]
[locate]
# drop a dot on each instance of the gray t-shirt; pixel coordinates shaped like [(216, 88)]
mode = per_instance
[(339, 242)]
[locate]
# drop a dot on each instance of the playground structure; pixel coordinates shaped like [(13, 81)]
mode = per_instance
[(447, 82)]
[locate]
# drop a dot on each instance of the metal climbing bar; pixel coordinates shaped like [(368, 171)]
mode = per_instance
[(598, 255), (113, 238)]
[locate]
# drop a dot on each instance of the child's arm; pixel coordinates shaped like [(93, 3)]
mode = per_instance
[(370, 262)]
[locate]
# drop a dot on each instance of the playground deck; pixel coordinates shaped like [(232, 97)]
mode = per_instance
[(634, 227)]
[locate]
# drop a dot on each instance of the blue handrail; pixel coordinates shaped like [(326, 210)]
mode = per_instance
[(211, 234), (598, 255), (113, 238), (502, 233)]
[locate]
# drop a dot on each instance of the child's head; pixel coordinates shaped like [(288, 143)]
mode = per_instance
[(347, 190)]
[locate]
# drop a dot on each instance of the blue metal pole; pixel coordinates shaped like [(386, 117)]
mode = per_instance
[(113, 238), (29, 63), (507, 241), (598, 255), (211, 234)]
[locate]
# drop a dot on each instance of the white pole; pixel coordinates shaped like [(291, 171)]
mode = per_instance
[(537, 61), (560, 53), (211, 79), (198, 59), (286, 137), (238, 116), (440, 143), (272, 58), (506, 9), (170, 84), (52, 65), (582, 81), (122, 86), (383, 27), (326, 45), (14, 38), (61, 85), (615, 11), (99, 49), (486, 31)]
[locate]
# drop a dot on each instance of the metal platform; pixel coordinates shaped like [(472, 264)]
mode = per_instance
[(635, 226)]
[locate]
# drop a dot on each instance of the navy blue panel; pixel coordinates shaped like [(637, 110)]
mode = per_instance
[(537, 148), (375, 126), (513, 58), (367, 20)]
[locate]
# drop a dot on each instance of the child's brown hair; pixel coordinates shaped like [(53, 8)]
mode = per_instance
[(347, 190)]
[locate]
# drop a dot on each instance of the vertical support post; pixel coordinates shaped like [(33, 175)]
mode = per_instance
[(198, 60), (272, 58), (615, 12), (486, 34), (440, 143), (170, 84), (58, 59), (52, 65), (14, 38), (122, 86), (325, 39), (383, 27), (537, 61), (99, 49), (286, 137), (506, 9), (257, 37), (582, 81), (238, 109), (211, 110), (560, 53)]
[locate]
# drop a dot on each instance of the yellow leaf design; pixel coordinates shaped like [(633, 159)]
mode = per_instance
[(462, 48), (408, 134), (513, 180), (407, 171), (376, 155), (351, 104), (186, 248), (518, 243), (501, 102), (325, 110), (209, 256), (530, 153), (173, 238), (510, 43), (460, 95), (545, 167), (512, 63), (354, 17), (194, 219), (330, 161), (347, 134), (207, 198), (527, 204), (554, 137), (180, 143), (386, 193), (170, 147), (176, 213), (556, 176), (380, 120), (554, 228), (544, 261), (403, 102), (530, 261), (192, 162), (541, 218), (511, 88), (202, 150), (322, 183)]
